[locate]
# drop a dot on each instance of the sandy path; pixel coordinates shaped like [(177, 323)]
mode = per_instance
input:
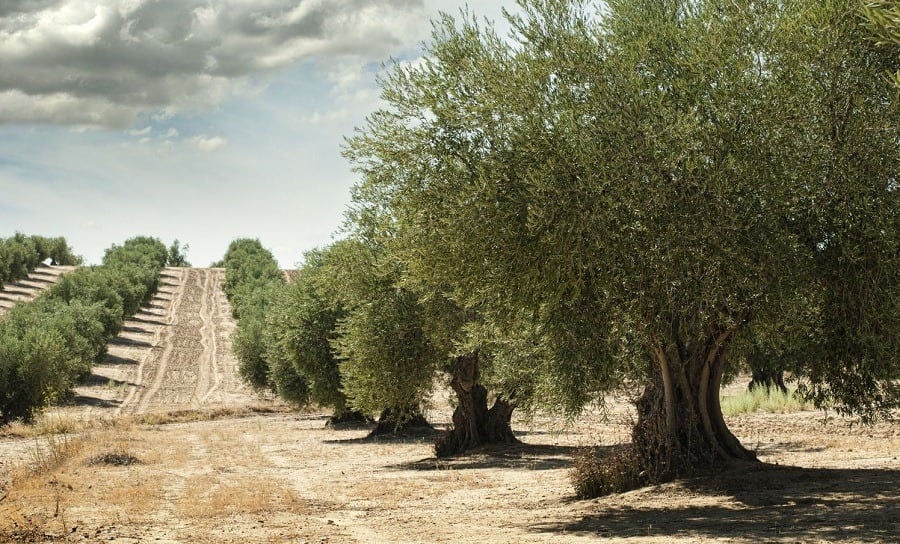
[(25, 290), (175, 354), (288, 478)]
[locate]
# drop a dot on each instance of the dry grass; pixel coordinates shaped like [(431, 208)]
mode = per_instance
[(189, 416), (773, 401), (52, 423), (226, 495), (51, 478)]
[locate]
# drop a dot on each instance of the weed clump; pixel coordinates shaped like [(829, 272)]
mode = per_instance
[(594, 474), (114, 458)]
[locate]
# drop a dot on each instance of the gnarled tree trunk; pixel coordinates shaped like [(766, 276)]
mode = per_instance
[(399, 421), (473, 423), (680, 428), (346, 416), (768, 379)]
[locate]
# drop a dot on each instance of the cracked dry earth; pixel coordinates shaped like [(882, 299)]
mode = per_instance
[(271, 475)]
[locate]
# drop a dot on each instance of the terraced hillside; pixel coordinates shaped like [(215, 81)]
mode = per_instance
[(39, 279), (175, 354)]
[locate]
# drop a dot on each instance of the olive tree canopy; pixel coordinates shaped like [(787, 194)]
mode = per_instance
[(649, 180)]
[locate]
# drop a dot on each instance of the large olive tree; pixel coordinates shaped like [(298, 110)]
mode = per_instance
[(647, 181)]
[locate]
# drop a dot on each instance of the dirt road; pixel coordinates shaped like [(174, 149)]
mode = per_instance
[(286, 477), (173, 355)]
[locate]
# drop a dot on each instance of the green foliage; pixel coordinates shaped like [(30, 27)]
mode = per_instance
[(386, 358), (178, 255), (35, 369), (883, 20), (248, 265), (21, 254), (252, 277), (300, 325), (351, 333), (47, 344), (89, 285), (650, 176)]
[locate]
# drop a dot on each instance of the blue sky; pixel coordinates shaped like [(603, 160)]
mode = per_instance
[(192, 119)]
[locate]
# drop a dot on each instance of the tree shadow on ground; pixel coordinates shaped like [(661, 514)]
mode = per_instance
[(13, 289), (128, 342), (762, 503), (138, 330), (513, 456), (772, 448), (110, 359), (147, 321), (96, 379), (85, 400), (416, 435)]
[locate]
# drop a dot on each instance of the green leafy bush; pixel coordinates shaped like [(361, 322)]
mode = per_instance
[(47, 344), (252, 277), (21, 254)]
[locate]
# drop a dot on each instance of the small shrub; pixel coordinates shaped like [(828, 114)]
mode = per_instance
[(117, 458), (594, 474)]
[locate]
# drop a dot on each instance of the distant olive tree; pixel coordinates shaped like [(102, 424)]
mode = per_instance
[(48, 344), (252, 280), (178, 255)]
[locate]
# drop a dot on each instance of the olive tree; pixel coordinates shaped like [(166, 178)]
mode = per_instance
[(301, 324), (386, 360), (252, 277), (647, 181)]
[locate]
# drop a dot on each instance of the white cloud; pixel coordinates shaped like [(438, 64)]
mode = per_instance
[(207, 143), (105, 62)]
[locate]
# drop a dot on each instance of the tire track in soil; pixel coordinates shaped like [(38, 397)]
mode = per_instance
[(174, 355), (187, 370)]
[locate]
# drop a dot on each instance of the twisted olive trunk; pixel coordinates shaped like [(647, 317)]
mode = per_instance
[(680, 428), (473, 423)]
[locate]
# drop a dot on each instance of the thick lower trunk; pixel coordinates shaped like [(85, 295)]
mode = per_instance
[(348, 417), (680, 428), (399, 421), (769, 379), (473, 423)]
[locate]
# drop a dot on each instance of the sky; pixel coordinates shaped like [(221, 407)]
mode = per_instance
[(197, 120)]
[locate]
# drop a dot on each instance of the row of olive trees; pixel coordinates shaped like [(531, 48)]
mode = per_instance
[(644, 194), (47, 344), (252, 276), (348, 333), (21, 254)]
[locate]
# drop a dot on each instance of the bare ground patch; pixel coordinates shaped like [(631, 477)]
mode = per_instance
[(215, 463), (287, 477)]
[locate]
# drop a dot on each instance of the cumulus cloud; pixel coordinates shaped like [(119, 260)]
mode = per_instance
[(104, 62), (207, 143)]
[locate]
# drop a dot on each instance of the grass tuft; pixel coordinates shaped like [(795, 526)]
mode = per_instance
[(118, 458), (760, 399)]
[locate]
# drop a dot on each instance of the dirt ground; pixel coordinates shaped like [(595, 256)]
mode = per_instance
[(237, 468)]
